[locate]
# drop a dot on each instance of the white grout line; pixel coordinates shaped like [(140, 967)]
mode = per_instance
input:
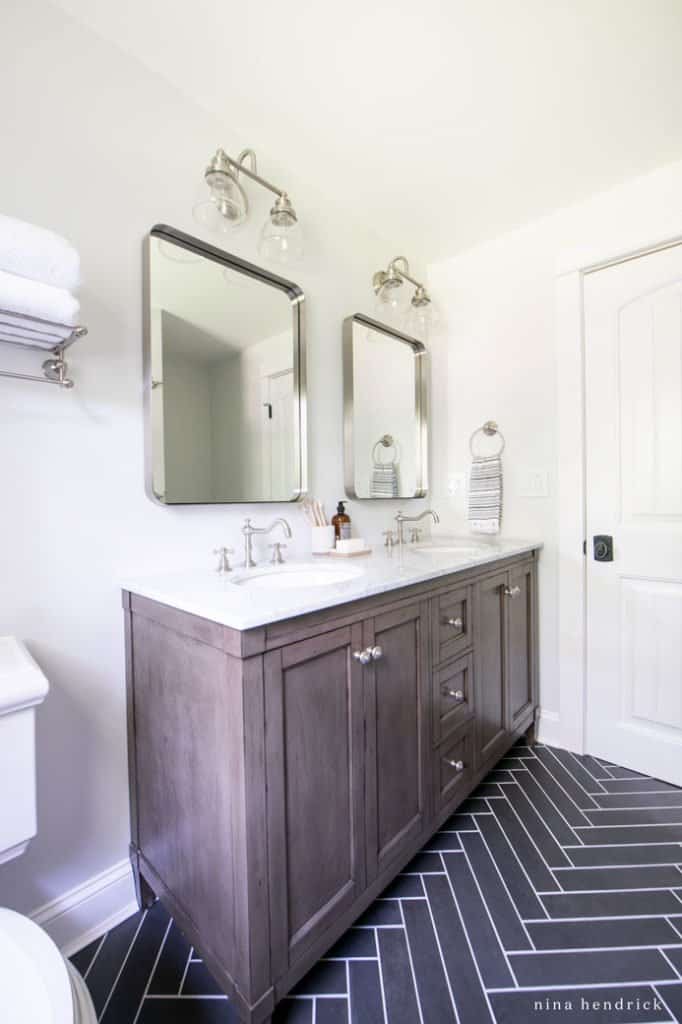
[(604, 892), (554, 758), (516, 857), (409, 956), (381, 974), (611, 867), (490, 916), (662, 950), (529, 834), (677, 928), (192, 996), (101, 943), (125, 961), (594, 949), (662, 1000), (153, 970), (592, 986), (568, 796), (594, 917), (440, 953), (549, 798), (505, 886), (574, 758), (184, 973), (611, 846)]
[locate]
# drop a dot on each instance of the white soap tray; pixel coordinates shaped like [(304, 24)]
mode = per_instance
[(346, 554)]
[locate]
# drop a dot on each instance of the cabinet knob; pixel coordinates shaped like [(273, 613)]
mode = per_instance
[(457, 765), (364, 657), (457, 695), (455, 623), (512, 591), (376, 653)]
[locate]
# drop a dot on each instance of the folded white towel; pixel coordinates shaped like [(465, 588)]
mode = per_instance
[(19, 295), (17, 328), (38, 254)]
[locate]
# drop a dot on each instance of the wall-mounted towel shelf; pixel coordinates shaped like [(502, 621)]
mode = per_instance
[(26, 331)]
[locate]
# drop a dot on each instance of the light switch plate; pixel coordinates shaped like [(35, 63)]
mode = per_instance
[(535, 484)]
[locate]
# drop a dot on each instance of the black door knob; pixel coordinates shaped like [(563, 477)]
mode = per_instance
[(602, 546)]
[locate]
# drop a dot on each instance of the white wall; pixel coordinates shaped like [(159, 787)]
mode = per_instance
[(499, 304), (99, 149)]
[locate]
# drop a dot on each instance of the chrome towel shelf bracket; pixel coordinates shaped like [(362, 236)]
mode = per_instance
[(55, 368)]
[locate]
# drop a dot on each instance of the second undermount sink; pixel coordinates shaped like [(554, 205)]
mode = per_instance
[(289, 577)]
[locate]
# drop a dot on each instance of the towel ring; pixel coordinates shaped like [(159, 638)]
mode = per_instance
[(386, 441), (489, 428)]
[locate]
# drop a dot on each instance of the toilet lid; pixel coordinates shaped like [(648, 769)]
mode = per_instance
[(34, 981)]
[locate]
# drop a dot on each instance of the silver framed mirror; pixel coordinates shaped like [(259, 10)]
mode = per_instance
[(385, 401), (224, 377)]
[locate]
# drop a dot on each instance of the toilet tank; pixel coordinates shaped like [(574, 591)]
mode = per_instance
[(22, 687)]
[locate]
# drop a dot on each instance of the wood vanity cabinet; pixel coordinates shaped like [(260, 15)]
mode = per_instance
[(279, 781)]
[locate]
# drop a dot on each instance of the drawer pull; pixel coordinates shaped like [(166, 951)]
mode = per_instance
[(375, 653), (512, 591), (364, 657), (457, 765), (457, 695), (455, 623)]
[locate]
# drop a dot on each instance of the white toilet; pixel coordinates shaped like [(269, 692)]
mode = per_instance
[(37, 985)]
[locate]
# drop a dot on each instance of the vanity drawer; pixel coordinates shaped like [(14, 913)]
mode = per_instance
[(453, 627), (453, 696), (453, 768)]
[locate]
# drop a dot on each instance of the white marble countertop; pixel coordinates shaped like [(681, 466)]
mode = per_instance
[(243, 599)]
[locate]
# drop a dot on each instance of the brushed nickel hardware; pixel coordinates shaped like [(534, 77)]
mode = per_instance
[(391, 539), (421, 313), (277, 557), (364, 657), (512, 591), (401, 519), (489, 428), (457, 765), (415, 534), (228, 204), (248, 530), (457, 695), (457, 623), (223, 565), (376, 653), (55, 369)]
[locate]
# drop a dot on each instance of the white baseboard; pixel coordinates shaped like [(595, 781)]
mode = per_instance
[(85, 913), (549, 728)]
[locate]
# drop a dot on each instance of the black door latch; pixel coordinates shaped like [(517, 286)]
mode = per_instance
[(602, 546)]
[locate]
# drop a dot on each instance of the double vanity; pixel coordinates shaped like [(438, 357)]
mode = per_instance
[(297, 732)]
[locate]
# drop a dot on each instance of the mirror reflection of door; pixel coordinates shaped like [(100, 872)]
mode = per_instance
[(224, 402)]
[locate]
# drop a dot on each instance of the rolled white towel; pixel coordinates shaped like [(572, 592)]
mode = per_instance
[(19, 295), (38, 254)]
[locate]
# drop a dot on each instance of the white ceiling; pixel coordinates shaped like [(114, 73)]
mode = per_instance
[(441, 122)]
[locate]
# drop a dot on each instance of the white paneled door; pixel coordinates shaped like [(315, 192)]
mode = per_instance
[(633, 364)]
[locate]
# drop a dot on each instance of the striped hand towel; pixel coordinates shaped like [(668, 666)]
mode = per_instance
[(485, 494), (384, 480)]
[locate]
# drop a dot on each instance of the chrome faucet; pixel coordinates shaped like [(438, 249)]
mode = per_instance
[(401, 519), (248, 530)]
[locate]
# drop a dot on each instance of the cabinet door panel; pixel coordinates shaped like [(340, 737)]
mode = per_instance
[(315, 773), (521, 627), (396, 705), (490, 672)]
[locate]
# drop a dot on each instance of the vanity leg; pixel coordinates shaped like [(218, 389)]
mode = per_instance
[(143, 891)]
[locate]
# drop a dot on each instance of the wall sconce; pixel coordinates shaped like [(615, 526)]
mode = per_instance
[(281, 239), (420, 314)]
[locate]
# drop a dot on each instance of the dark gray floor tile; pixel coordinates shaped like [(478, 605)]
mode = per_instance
[(129, 989), (404, 887), (84, 957), (595, 769), (574, 768), (293, 1011), (475, 805), (434, 996), (536, 826), (589, 1006), (189, 1011), (511, 764), (401, 998), (520, 889), (573, 815), (607, 967), (380, 913), (331, 1011), (499, 776), (487, 789), (167, 977), (586, 856), (459, 823), (611, 904), (562, 832), (522, 750), (637, 800), (671, 995), (200, 982), (564, 778), (524, 848), (327, 977), (638, 816), (634, 931), (356, 942), (626, 834), (444, 841), (477, 924), (662, 876), (109, 960), (639, 786), (365, 993), (675, 956), (424, 863), (498, 902)]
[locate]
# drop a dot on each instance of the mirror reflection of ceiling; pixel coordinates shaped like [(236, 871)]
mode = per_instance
[(213, 298), (440, 123)]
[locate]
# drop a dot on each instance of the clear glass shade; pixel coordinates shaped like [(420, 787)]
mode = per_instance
[(226, 206), (389, 305), (281, 243)]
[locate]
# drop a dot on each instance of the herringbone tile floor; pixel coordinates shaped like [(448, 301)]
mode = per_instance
[(554, 894)]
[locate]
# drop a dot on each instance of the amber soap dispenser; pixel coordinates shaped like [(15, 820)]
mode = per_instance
[(341, 522)]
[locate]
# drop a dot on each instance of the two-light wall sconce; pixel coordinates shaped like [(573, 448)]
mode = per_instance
[(281, 238), (419, 315)]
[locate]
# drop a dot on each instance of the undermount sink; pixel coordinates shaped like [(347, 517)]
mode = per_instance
[(453, 548), (288, 577)]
